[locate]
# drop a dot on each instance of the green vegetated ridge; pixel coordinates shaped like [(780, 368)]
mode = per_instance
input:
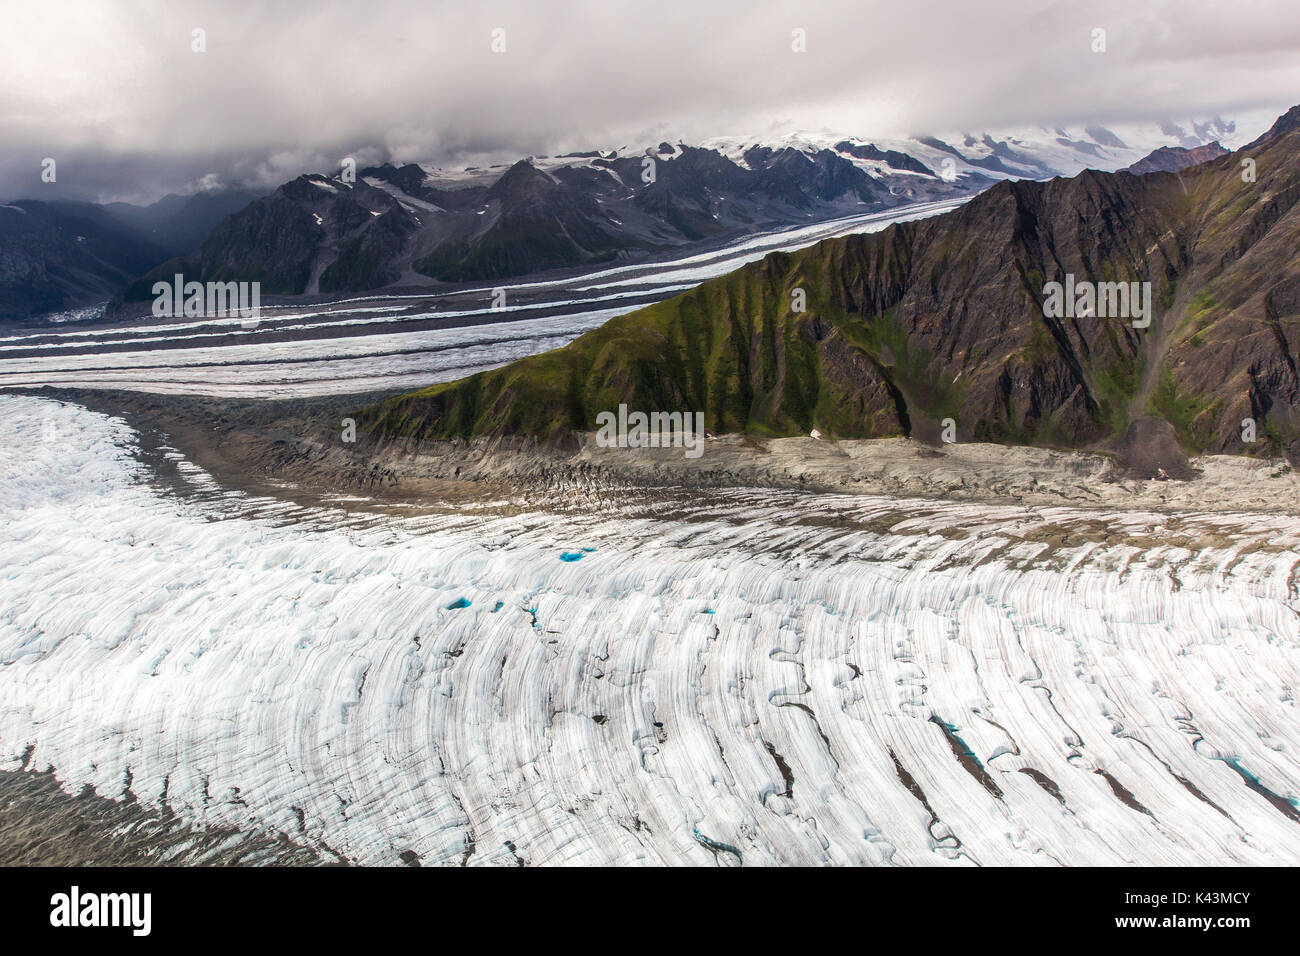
[(943, 318)]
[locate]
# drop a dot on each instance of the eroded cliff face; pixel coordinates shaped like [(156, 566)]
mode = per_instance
[(944, 319)]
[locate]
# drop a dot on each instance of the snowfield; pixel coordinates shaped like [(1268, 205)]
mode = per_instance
[(756, 677)]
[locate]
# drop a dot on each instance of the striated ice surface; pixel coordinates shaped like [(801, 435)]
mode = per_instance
[(742, 677)]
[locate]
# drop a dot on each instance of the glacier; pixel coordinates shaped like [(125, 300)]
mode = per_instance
[(726, 677), (349, 346)]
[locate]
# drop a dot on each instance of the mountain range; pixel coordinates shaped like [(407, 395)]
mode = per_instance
[(60, 256), (413, 225), (944, 318), (408, 226)]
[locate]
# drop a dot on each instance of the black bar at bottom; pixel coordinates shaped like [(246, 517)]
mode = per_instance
[(775, 908)]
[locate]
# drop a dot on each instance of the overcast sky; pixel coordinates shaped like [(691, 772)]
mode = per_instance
[(113, 91)]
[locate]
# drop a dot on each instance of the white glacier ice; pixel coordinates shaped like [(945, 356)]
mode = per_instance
[(732, 676)]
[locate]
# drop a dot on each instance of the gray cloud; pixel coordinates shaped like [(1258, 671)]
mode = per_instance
[(114, 92)]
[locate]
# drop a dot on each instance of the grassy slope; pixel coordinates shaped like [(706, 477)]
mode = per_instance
[(942, 318)]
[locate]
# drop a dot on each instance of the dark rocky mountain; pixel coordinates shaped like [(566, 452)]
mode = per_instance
[(892, 157), (405, 226), (179, 223), (64, 255), (1002, 158), (944, 318), (1286, 123), (529, 221), (315, 233), (1170, 159)]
